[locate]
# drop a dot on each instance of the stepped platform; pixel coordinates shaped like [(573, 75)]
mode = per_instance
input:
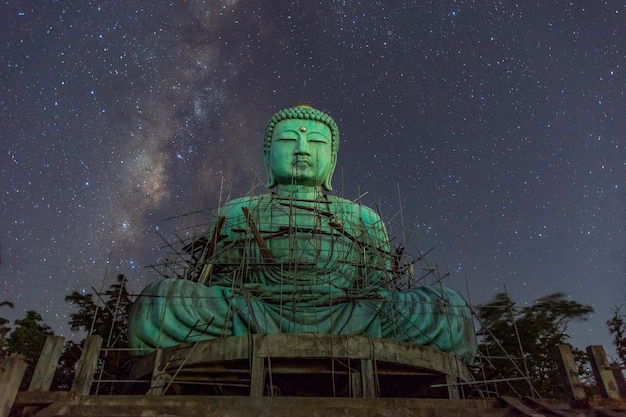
[(291, 375)]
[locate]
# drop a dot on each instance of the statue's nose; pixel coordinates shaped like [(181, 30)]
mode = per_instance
[(302, 147)]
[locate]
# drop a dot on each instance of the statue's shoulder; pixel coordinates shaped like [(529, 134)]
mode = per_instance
[(342, 205)]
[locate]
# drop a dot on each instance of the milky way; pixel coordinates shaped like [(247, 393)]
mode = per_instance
[(492, 132)]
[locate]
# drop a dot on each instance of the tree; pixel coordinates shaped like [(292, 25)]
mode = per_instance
[(617, 327), (106, 316), (4, 330), (27, 339), (520, 342), (67, 366)]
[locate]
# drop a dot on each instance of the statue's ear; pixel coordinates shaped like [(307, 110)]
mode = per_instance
[(327, 185), (327, 182)]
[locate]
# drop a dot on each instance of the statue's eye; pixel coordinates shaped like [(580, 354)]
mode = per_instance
[(287, 138), (317, 139)]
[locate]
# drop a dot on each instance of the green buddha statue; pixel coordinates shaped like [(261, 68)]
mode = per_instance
[(299, 260)]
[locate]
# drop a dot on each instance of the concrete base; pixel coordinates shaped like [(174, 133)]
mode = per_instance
[(309, 365)]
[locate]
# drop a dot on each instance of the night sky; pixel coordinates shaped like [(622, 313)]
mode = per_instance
[(491, 131)]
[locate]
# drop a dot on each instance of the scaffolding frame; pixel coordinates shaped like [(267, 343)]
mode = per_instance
[(190, 251)]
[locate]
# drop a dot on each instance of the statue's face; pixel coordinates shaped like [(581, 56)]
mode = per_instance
[(301, 152)]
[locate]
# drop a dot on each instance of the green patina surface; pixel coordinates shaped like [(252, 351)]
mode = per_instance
[(299, 260)]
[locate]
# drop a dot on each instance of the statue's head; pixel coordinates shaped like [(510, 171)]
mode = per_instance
[(301, 145)]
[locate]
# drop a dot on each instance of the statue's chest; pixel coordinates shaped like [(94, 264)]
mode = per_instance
[(306, 235)]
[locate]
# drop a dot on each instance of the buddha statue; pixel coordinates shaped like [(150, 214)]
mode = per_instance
[(299, 260)]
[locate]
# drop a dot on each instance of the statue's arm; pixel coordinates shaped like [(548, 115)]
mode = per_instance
[(376, 230)]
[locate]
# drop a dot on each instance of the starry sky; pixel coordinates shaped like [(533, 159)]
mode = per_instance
[(492, 131)]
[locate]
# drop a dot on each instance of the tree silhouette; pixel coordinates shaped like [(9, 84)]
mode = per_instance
[(106, 316), (617, 327), (27, 339), (4, 329), (520, 342)]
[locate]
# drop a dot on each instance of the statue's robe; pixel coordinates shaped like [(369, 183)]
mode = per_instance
[(294, 266)]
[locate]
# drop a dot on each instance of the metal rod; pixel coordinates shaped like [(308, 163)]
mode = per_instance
[(479, 382)]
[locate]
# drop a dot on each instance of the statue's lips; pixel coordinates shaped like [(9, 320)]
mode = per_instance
[(302, 160)]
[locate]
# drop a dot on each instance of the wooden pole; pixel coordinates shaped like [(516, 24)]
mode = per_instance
[(265, 251), (618, 374), (87, 365), (602, 372), (569, 376), (11, 374), (47, 364)]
